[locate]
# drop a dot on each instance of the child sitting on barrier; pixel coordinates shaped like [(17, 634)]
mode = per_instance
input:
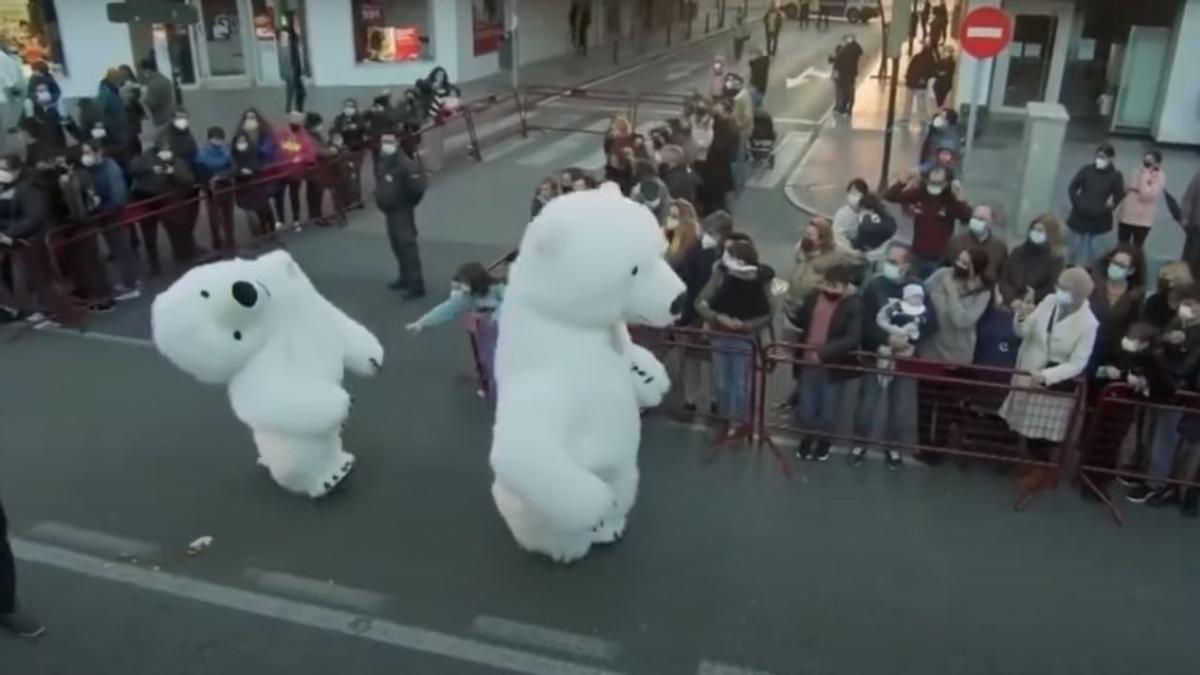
[(477, 293)]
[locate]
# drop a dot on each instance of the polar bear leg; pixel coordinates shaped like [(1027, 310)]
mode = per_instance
[(532, 533), (624, 484), (310, 466)]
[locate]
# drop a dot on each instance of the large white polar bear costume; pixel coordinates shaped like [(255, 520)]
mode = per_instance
[(571, 382), (262, 328)]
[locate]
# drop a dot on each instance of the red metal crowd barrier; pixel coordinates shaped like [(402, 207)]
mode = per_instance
[(1142, 442)]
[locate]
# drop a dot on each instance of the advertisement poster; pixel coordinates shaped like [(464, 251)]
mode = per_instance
[(487, 18)]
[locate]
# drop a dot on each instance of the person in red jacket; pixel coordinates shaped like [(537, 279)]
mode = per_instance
[(936, 204), (295, 150)]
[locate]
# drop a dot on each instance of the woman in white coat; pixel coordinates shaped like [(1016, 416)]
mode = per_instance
[(1057, 338)]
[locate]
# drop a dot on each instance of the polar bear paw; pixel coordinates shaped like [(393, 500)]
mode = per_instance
[(609, 531), (650, 380), (330, 484)]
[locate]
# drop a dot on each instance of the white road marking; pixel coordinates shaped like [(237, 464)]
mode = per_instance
[(810, 73), (538, 637), (92, 541), (553, 153), (797, 121), (715, 668), (324, 592), (786, 153), (93, 335), (336, 621), (681, 70), (517, 142)]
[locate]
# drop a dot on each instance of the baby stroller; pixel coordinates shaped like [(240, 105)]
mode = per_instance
[(762, 139)]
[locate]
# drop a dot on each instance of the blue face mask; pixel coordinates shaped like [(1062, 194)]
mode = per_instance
[(1117, 272)]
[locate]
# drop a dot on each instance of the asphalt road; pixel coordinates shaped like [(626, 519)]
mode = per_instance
[(111, 462)]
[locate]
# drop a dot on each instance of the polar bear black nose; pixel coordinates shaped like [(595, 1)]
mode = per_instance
[(245, 293), (679, 303)]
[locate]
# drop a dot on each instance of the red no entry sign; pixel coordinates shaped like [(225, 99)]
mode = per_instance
[(986, 31)]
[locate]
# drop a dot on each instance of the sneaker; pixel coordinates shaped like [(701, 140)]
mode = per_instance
[(894, 460), (1190, 505), (821, 453), (857, 454), (129, 294), (1129, 481), (278, 226), (804, 450), (22, 624), (35, 318), (1140, 494), (103, 307)]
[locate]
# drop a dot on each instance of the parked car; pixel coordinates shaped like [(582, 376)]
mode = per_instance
[(855, 11)]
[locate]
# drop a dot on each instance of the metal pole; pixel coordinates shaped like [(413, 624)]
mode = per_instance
[(976, 88), (891, 120), (513, 48), (912, 28)]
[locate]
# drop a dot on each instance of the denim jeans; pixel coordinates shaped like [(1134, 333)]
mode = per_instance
[(1164, 443), (1087, 248), (888, 411), (819, 400), (732, 370)]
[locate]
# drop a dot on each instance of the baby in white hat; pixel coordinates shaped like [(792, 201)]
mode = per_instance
[(904, 316)]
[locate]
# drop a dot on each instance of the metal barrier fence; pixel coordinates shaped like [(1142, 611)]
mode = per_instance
[(1141, 442)]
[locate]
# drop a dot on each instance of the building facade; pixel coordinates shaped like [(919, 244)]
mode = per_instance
[(1116, 64)]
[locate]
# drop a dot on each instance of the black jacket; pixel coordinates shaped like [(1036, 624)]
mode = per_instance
[(149, 183), (845, 331), (717, 169), (760, 70), (920, 69), (353, 129), (182, 144), (695, 272), (681, 182), (845, 59), (1090, 193), (399, 182), (876, 293), (1029, 266), (24, 212)]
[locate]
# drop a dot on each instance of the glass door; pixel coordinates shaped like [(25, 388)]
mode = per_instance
[(223, 47), (1142, 74), (1029, 59)]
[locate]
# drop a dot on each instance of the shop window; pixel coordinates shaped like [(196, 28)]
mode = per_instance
[(29, 29), (387, 31)]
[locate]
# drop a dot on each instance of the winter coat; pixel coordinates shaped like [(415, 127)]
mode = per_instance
[(182, 144), (108, 181), (112, 112), (810, 270), (958, 315), (681, 182), (1094, 193), (1029, 266), (353, 129), (1140, 204), (1069, 347), (1113, 320), (149, 183), (752, 326), (716, 171), (399, 183), (252, 190), (845, 331), (760, 70), (294, 147), (876, 293), (920, 69), (24, 209), (845, 60), (159, 98), (695, 272), (997, 251), (934, 216)]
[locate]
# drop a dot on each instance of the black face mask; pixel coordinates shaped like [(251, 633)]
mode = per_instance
[(961, 272), (294, 127), (831, 296)]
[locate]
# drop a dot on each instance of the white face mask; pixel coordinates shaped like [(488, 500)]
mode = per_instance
[(180, 124), (738, 268), (88, 160), (387, 149), (165, 155), (935, 190), (250, 125), (708, 241), (458, 289), (853, 199), (1101, 163), (892, 271), (939, 123), (99, 133), (349, 112), (1130, 345), (6, 177), (672, 222), (1186, 313), (1037, 237), (43, 97), (242, 147), (978, 227), (1064, 297)]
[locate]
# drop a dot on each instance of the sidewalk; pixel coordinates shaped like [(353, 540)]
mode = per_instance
[(848, 148)]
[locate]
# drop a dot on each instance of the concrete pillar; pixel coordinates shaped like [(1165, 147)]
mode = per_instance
[(1041, 150)]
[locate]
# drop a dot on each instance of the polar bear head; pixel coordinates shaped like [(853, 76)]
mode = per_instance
[(212, 320), (596, 258)]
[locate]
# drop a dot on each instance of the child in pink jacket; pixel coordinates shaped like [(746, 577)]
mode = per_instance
[(1138, 208), (295, 149)]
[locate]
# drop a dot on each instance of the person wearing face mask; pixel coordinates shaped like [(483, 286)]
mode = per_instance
[(158, 95), (252, 187), (45, 121), (1119, 282), (985, 220), (1057, 336), (24, 220), (716, 171), (179, 139), (736, 305), (936, 205), (942, 136), (943, 75), (815, 254), (216, 172), (846, 218), (1159, 308), (478, 294), (1033, 266), (696, 271), (959, 294), (296, 151), (1136, 212), (844, 60), (1181, 351), (322, 177), (109, 188), (546, 190), (399, 187), (677, 175), (650, 191), (112, 108), (161, 175), (353, 128), (1095, 192), (916, 80), (829, 322), (717, 77), (258, 131)]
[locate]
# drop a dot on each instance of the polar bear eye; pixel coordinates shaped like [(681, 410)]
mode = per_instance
[(204, 294), (237, 335), (635, 271)]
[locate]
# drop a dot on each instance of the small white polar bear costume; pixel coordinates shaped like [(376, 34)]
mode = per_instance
[(571, 383), (261, 327)]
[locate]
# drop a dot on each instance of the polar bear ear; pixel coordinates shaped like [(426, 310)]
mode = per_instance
[(548, 241), (282, 260), (610, 187)]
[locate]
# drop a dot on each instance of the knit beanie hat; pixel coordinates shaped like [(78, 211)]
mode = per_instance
[(1077, 281)]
